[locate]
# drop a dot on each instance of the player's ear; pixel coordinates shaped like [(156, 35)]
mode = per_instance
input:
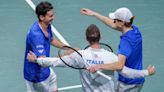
[(41, 17)]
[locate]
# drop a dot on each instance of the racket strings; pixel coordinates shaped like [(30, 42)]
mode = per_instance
[(77, 60), (73, 60)]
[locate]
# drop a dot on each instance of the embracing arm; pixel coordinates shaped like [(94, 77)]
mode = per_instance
[(44, 61), (123, 70), (118, 65), (133, 73), (49, 61)]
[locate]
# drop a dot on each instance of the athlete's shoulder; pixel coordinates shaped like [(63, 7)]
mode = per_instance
[(35, 30), (82, 51), (110, 53), (135, 27), (35, 25)]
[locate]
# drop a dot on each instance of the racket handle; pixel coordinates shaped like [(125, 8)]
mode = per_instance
[(104, 75)]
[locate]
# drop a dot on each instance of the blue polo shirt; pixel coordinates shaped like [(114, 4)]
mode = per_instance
[(40, 45), (131, 47)]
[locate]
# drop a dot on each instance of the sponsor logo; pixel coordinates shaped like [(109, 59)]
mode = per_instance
[(41, 51), (39, 46)]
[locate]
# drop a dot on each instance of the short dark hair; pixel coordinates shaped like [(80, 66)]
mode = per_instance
[(128, 24), (42, 8), (93, 34)]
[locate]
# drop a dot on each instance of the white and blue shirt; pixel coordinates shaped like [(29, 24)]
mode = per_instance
[(131, 47), (93, 82), (40, 45)]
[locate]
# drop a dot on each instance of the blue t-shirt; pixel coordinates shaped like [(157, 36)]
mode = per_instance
[(40, 45), (131, 47)]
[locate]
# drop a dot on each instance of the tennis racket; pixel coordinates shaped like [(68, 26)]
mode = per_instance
[(75, 60)]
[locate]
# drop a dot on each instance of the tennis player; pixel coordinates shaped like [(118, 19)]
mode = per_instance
[(130, 47), (39, 38), (93, 55)]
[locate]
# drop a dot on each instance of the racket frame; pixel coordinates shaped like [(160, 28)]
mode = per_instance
[(98, 72)]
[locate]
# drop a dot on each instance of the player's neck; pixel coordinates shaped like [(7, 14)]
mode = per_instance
[(44, 26), (95, 45), (126, 29)]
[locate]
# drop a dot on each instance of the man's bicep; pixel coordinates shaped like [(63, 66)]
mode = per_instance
[(55, 42), (121, 60)]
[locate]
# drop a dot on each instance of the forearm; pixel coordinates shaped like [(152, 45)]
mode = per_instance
[(109, 22), (133, 73), (57, 43), (46, 62), (113, 66), (125, 71)]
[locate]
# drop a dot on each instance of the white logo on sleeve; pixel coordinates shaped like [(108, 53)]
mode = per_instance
[(41, 50), (39, 46)]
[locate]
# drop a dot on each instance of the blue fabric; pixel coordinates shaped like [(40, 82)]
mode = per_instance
[(40, 45), (131, 47)]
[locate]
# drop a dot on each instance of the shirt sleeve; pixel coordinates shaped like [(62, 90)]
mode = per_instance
[(74, 60), (56, 62), (37, 44), (132, 73), (125, 48), (50, 61)]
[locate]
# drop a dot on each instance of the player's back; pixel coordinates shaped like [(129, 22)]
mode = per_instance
[(94, 82)]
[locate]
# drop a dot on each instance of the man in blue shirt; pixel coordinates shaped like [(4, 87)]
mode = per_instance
[(39, 39), (130, 48)]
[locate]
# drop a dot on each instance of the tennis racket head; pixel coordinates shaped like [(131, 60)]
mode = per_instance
[(102, 45), (71, 57)]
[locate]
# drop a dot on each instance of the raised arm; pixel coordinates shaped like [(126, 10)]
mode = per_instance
[(109, 22)]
